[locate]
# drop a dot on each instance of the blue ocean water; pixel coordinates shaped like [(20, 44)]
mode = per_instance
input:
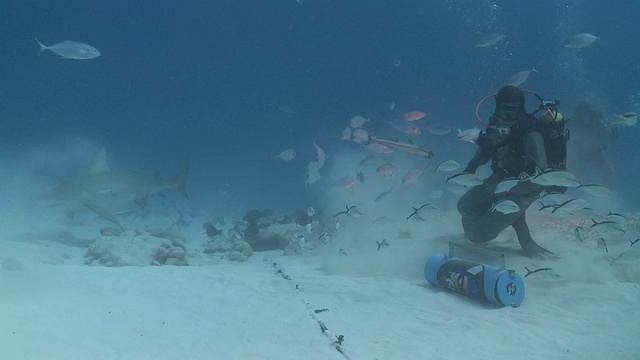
[(208, 81)]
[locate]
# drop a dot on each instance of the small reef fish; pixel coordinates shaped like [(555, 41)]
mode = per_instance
[(320, 154), (579, 41), (385, 169), (438, 129), (489, 40), (346, 182), (416, 211), (520, 77), (360, 136), (71, 50), (212, 231), (379, 149), (412, 129), (346, 134), (382, 243), (383, 195), (414, 115), (352, 208), (404, 127), (392, 105), (469, 135), (412, 176), (357, 121), (287, 155), (287, 109)]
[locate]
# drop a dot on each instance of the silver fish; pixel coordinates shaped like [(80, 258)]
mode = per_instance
[(553, 177), (520, 77), (555, 198), (506, 207), (489, 40), (596, 190), (619, 218), (286, 109), (383, 195), (506, 185), (469, 135), (586, 212), (570, 206), (287, 155), (579, 41), (438, 129), (358, 121), (71, 50), (447, 165), (629, 119), (464, 179), (609, 225), (631, 256)]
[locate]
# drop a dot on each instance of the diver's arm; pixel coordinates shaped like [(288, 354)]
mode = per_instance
[(483, 154)]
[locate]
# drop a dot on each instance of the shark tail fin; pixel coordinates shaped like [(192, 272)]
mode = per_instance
[(181, 179)]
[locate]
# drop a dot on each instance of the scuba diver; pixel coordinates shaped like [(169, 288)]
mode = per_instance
[(518, 145), (591, 136)]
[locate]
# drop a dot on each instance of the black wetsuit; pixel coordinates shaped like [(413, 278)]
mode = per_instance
[(530, 145)]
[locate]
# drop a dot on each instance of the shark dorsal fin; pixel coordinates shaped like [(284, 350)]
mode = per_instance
[(100, 162)]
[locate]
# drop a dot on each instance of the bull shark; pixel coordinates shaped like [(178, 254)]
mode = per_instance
[(104, 191)]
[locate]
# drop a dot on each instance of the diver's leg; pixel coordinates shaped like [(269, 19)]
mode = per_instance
[(473, 204), (535, 155), (530, 247), (490, 224)]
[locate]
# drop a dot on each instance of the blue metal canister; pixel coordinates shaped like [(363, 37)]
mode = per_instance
[(499, 286)]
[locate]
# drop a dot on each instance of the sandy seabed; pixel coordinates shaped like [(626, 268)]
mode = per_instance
[(274, 306)]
